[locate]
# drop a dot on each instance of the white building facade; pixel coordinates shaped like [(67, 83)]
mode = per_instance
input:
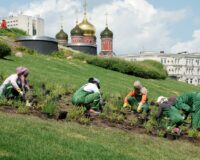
[(183, 67), (34, 26)]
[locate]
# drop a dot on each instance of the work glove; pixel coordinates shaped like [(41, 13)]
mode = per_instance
[(125, 105), (139, 108), (20, 92), (28, 104)]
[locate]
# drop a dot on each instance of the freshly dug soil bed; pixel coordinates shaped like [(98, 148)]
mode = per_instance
[(65, 106)]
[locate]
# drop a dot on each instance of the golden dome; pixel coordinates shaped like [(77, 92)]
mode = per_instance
[(87, 27)]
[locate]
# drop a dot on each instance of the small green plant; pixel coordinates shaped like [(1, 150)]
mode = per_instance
[(193, 133), (23, 109), (75, 113), (150, 125), (116, 118), (161, 133), (50, 107), (84, 120), (133, 122)]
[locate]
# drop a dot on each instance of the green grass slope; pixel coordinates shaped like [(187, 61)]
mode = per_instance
[(24, 137), (75, 73)]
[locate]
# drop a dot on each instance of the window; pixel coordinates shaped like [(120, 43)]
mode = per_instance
[(198, 71), (162, 60), (191, 80), (197, 61)]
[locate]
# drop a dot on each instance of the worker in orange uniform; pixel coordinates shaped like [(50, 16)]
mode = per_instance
[(138, 98)]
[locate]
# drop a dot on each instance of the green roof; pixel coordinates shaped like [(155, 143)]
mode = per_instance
[(77, 31), (107, 33), (62, 35)]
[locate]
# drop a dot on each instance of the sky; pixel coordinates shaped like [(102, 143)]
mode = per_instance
[(138, 25)]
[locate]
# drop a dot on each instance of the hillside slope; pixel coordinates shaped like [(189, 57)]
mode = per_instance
[(75, 73), (25, 137)]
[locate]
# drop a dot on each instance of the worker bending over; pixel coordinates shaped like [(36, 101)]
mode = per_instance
[(166, 109), (89, 96), (138, 98), (15, 86)]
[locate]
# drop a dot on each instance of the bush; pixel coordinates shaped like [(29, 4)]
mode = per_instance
[(146, 69), (5, 50)]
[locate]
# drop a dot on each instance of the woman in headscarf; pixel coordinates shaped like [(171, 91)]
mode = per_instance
[(15, 86)]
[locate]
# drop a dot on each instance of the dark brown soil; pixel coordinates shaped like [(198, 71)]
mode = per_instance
[(65, 105)]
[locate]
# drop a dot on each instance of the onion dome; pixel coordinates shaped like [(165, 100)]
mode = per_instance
[(61, 35), (77, 31), (87, 28), (106, 33)]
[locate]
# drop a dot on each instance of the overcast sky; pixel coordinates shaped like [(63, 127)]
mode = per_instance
[(138, 25)]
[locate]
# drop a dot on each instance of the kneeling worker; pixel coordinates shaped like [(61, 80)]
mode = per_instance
[(89, 96), (15, 86), (165, 109), (138, 98)]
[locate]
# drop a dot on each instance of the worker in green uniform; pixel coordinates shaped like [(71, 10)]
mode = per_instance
[(165, 109), (137, 98), (196, 112), (189, 103), (89, 96), (15, 86), (185, 102)]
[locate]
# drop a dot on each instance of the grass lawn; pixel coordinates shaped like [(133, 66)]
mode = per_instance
[(30, 138), (75, 73)]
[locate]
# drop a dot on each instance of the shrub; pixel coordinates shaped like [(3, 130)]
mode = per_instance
[(5, 50), (146, 69)]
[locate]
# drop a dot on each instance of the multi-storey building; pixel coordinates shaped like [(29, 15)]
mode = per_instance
[(182, 66), (32, 25)]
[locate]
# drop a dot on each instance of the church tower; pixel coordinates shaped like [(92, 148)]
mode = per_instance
[(107, 41), (87, 28), (62, 37), (77, 34)]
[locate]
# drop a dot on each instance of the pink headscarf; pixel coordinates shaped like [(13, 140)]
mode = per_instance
[(22, 71)]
